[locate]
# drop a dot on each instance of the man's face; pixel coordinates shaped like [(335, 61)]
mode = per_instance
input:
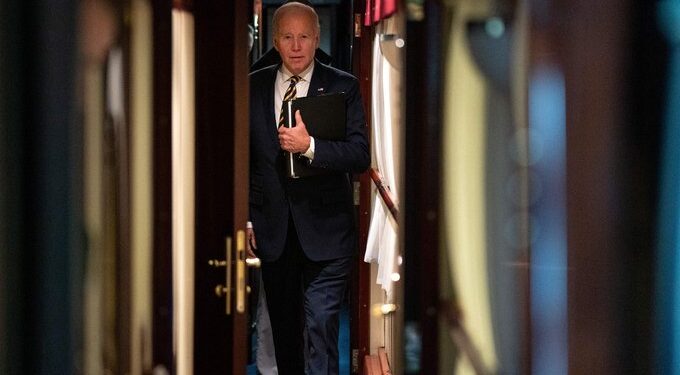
[(296, 40)]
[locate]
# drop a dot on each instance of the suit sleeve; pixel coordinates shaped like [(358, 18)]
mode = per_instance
[(351, 154)]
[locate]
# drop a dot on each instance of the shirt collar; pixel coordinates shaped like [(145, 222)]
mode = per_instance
[(306, 74)]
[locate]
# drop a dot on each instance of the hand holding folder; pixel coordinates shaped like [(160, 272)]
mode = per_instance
[(325, 119)]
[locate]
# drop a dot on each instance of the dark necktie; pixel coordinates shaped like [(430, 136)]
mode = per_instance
[(290, 94)]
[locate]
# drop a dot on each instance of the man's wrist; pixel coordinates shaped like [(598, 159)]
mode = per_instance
[(309, 154)]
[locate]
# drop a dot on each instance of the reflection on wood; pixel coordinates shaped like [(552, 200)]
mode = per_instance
[(183, 188)]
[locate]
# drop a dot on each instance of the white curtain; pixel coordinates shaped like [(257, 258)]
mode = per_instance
[(382, 244)]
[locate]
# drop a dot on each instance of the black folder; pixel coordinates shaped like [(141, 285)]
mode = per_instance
[(325, 118)]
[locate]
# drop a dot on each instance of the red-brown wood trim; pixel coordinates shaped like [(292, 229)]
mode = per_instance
[(601, 334), (361, 284), (385, 193), (185, 5), (240, 121)]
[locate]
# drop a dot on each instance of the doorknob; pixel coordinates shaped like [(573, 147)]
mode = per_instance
[(220, 290)]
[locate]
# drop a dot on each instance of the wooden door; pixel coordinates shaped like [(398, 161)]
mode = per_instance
[(222, 146), (201, 174)]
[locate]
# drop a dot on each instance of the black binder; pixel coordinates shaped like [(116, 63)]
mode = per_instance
[(325, 118)]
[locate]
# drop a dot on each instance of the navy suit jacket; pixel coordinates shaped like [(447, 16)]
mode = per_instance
[(321, 206)]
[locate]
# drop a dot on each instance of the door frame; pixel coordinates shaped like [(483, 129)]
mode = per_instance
[(221, 105)]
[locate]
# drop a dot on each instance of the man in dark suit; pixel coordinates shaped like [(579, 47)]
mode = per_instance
[(306, 232)]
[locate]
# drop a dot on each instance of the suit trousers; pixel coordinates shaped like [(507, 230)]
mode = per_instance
[(265, 359), (304, 295)]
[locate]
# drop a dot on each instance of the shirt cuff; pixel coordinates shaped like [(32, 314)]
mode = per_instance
[(309, 154), (249, 225)]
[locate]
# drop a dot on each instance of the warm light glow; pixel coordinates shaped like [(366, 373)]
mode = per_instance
[(388, 308), (383, 309), (395, 277)]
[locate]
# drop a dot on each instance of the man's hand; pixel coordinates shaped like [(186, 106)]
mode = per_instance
[(252, 243), (294, 140)]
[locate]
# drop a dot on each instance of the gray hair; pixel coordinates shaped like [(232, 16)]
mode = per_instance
[(295, 7)]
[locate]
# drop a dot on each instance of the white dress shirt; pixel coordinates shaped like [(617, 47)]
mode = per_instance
[(302, 87)]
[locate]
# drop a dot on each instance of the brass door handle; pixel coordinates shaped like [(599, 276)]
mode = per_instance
[(253, 262), (240, 263), (241, 271), (222, 290)]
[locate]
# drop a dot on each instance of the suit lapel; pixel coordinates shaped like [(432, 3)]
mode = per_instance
[(318, 84), (269, 106)]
